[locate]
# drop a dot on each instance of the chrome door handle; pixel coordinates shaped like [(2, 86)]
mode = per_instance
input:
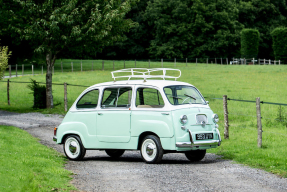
[(100, 114), (165, 113)]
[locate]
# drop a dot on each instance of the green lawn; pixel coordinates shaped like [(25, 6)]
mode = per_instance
[(237, 81), (26, 165)]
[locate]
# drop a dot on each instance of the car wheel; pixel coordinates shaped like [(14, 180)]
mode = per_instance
[(151, 149), (115, 153), (194, 156), (74, 148)]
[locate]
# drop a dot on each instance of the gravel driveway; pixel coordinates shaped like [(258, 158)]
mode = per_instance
[(129, 173)]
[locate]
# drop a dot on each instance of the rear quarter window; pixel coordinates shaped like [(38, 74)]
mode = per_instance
[(89, 100)]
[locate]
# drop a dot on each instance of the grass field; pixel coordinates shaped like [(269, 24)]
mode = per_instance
[(244, 82), (26, 165)]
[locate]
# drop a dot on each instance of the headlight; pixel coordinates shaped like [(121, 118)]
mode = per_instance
[(183, 119), (215, 118)]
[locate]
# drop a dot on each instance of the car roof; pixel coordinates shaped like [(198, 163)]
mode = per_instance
[(155, 83)]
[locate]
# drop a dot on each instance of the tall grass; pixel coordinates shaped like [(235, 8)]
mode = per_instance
[(244, 82)]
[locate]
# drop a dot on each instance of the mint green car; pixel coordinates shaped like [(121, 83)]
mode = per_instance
[(153, 116)]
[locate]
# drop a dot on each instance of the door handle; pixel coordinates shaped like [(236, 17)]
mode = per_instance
[(100, 114), (165, 113)]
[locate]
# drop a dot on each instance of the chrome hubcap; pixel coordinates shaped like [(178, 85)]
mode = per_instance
[(73, 147), (149, 149)]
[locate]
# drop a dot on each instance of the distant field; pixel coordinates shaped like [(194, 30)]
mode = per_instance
[(238, 82)]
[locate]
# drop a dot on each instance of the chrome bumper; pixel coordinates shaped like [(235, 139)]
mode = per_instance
[(193, 144), (54, 138)]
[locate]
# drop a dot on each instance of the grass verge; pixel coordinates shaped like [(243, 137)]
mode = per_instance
[(26, 165)]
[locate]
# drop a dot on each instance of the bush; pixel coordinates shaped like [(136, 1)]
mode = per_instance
[(4, 55), (279, 37), (39, 93), (249, 43)]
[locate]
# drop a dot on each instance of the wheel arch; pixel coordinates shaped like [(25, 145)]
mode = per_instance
[(143, 135)]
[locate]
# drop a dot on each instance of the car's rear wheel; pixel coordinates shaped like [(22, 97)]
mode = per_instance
[(196, 155), (151, 149), (115, 153), (74, 148)]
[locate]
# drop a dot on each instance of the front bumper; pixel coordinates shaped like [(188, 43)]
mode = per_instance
[(196, 144), (54, 138)]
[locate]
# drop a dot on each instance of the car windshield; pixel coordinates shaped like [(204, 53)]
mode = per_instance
[(181, 94)]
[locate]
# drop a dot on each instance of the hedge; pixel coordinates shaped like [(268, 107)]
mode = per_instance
[(279, 37), (249, 43)]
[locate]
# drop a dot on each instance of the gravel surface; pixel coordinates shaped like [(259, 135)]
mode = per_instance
[(129, 173)]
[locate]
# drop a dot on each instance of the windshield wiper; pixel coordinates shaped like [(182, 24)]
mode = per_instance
[(190, 96)]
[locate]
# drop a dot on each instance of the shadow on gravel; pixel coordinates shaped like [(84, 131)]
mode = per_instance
[(139, 160)]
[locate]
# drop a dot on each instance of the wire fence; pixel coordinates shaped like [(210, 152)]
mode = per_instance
[(91, 65)]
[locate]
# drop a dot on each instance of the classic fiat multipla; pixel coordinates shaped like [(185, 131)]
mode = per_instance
[(153, 116)]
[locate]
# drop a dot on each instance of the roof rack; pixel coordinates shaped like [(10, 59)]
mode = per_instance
[(144, 73)]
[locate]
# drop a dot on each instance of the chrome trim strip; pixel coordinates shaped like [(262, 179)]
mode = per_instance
[(54, 138)]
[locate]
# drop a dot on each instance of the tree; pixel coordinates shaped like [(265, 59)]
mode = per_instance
[(193, 28), (249, 43), (54, 26), (4, 56), (279, 36)]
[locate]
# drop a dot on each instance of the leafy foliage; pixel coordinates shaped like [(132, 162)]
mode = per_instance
[(4, 56), (249, 43), (279, 36), (39, 93)]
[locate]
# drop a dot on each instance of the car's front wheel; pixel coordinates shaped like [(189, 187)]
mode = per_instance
[(115, 153), (196, 155), (151, 149), (74, 148)]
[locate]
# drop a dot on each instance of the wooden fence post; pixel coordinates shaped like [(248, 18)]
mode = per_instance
[(221, 60), (174, 62), (22, 70), (8, 94), (226, 61), (253, 61), (244, 61), (226, 125), (10, 71), (259, 125), (215, 61), (33, 70), (61, 67), (16, 70), (269, 62), (233, 61), (103, 65), (264, 61), (161, 63), (65, 97), (206, 61), (279, 62)]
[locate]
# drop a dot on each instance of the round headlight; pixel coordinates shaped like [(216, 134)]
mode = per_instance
[(183, 119), (215, 118)]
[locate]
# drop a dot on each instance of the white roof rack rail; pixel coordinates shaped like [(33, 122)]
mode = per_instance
[(144, 73)]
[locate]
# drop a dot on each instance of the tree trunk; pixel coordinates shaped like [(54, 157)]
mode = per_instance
[(50, 60)]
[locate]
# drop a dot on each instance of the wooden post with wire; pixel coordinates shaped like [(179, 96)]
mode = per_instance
[(65, 97), (226, 125), (259, 124), (10, 71), (8, 94)]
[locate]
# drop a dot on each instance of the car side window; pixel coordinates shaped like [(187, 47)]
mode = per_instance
[(149, 98), (117, 97), (89, 100)]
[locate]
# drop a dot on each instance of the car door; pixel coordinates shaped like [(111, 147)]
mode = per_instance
[(114, 117)]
